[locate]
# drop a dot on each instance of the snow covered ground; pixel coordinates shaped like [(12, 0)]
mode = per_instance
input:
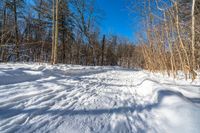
[(78, 99)]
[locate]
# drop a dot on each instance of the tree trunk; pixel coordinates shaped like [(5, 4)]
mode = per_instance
[(102, 50), (3, 35), (53, 33), (56, 35), (63, 41), (179, 37), (193, 36), (16, 30)]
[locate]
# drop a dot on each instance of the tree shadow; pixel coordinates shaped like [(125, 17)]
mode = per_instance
[(165, 93), (17, 76), (118, 110), (20, 75)]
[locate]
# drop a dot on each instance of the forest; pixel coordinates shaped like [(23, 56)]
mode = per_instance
[(67, 31), (59, 32)]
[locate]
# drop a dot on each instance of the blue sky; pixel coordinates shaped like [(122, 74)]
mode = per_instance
[(117, 19)]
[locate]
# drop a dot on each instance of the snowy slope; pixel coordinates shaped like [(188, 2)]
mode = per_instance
[(78, 99)]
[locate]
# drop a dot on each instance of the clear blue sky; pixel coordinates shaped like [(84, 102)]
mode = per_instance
[(118, 19)]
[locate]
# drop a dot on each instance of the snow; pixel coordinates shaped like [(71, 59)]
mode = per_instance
[(79, 99)]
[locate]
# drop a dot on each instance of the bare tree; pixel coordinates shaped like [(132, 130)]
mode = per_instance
[(53, 32), (86, 15), (193, 35), (16, 29)]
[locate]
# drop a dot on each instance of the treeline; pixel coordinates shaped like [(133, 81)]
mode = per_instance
[(172, 36), (60, 31), (66, 31)]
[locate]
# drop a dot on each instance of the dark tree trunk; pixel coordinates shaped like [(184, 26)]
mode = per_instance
[(16, 30), (102, 50)]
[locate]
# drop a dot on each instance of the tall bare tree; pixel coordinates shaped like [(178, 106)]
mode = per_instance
[(53, 32), (193, 35)]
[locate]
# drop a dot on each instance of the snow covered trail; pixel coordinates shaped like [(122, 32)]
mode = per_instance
[(78, 99)]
